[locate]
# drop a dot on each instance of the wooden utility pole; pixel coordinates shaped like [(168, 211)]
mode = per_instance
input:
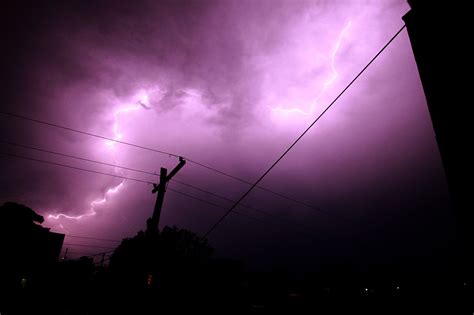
[(152, 223)]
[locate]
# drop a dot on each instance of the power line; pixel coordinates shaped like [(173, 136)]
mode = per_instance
[(86, 133), (75, 157), (223, 198), (78, 253), (301, 136), (88, 254), (18, 116), (107, 164), (170, 189), (73, 167), (84, 245), (107, 252), (107, 174), (93, 238), (286, 222), (145, 172), (212, 204), (242, 205)]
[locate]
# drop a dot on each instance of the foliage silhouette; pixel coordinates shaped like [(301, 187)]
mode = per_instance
[(173, 259)]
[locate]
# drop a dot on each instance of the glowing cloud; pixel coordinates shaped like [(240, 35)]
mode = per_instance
[(328, 82), (142, 102)]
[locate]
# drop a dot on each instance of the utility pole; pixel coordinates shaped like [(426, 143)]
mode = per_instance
[(152, 223)]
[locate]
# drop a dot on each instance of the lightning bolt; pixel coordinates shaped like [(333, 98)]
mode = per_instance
[(116, 129), (93, 204), (141, 103), (328, 82)]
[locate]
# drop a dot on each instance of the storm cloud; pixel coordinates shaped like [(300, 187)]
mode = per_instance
[(229, 84)]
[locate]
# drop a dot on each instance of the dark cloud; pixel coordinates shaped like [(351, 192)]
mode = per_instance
[(207, 79)]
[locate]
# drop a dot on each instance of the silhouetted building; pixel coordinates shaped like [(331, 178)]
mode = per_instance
[(29, 251), (437, 32)]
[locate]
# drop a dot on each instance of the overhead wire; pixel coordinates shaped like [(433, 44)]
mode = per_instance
[(125, 177), (73, 167), (138, 180), (86, 245), (50, 124), (92, 238), (253, 185), (214, 226), (74, 157)]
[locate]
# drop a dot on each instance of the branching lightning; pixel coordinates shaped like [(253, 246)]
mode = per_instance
[(93, 204), (116, 129), (328, 82), (142, 102)]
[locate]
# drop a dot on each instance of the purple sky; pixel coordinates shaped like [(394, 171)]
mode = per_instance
[(229, 84)]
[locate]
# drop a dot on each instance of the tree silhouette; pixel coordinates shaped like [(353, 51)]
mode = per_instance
[(172, 260)]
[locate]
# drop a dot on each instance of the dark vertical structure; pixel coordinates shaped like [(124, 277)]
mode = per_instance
[(160, 189), (152, 223), (440, 45), (29, 252)]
